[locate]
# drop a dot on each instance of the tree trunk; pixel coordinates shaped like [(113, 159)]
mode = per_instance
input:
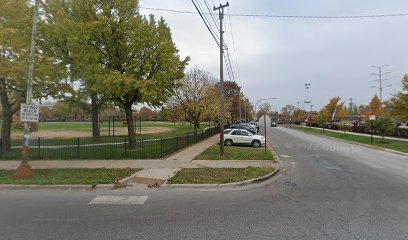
[(7, 116), (96, 134), (129, 120)]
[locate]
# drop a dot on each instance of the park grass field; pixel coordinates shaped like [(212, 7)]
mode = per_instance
[(148, 146), (144, 130)]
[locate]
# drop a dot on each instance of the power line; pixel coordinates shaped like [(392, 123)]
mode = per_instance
[(284, 16), (212, 15), (206, 23)]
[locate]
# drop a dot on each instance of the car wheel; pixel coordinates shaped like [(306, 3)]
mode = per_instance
[(256, 143), (228, 142)]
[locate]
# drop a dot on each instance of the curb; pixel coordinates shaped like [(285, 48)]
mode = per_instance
[(225, 185), (127, 179), (357, 143), (65, 187)]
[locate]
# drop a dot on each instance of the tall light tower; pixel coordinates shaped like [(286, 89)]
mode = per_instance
[(307, 87)]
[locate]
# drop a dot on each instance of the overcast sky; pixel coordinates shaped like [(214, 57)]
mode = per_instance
[(276, 57)]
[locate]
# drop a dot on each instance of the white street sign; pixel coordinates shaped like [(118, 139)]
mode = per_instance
[(372, 118), (30, 113)]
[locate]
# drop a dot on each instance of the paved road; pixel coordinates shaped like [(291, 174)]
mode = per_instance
[(328, 190)]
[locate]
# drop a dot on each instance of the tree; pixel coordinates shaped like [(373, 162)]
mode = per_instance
[(287, 113), (193, 95), (68, 40), (299, 115), (139, 62), (213, 110), (232, 93), (264, 110), (383, 124), (322, 119), (15, 33), (399, 103), (375, 107), (335, 109)]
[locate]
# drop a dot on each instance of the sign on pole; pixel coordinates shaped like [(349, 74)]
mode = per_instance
[(30, 113), (371, 117)]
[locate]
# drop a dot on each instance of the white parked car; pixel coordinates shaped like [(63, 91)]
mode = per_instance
[(242, 136)]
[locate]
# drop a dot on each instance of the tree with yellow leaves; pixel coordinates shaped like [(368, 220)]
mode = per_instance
[(335, 110), (375, 107), (398, 105)]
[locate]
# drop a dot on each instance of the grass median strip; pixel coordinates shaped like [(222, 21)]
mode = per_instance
[(235, 153), (401, 146), (217, 175), (69, 176)]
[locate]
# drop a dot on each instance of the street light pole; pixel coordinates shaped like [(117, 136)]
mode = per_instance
[(264, 117), (261, 101)]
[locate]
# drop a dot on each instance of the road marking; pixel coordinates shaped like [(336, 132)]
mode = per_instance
[(285, 156), (375, 166), (119, 200)]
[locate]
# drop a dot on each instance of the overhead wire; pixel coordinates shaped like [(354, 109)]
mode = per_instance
[(216, 39), (402, 14)]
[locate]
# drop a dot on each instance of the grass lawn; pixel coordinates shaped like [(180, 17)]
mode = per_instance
[(236, 153), (217, 175), (107, 148), (69, 176), (389, 144)]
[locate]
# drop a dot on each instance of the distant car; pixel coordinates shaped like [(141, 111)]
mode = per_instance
[(243, 137), (227, 131), (240, 126), (273, 124)]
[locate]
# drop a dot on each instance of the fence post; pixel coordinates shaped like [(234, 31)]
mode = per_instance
[(39, 148), (125, 147), (77, 148), (161, 147), (177, 142), (202, 134), (1, 148), (188, 136)]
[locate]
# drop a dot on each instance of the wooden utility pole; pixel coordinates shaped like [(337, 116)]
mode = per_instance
[(220, 10)]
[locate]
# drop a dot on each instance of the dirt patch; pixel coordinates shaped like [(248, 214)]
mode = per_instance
[(63, 134)]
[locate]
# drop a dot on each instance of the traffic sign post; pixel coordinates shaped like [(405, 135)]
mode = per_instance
[(372, 119)]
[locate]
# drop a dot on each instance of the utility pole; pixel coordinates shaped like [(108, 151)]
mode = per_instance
[(380, 80), (246, 119), (24, 170), (220, 10), (351, 117), (239, 106)]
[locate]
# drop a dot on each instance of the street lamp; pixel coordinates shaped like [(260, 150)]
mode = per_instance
[(261, 101), (264, 116)]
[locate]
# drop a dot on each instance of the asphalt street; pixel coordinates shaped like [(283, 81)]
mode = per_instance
[(327, 190)]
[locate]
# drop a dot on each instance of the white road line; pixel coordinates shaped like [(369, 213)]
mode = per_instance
[(119, 200), (375, 166), (285, 156)]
